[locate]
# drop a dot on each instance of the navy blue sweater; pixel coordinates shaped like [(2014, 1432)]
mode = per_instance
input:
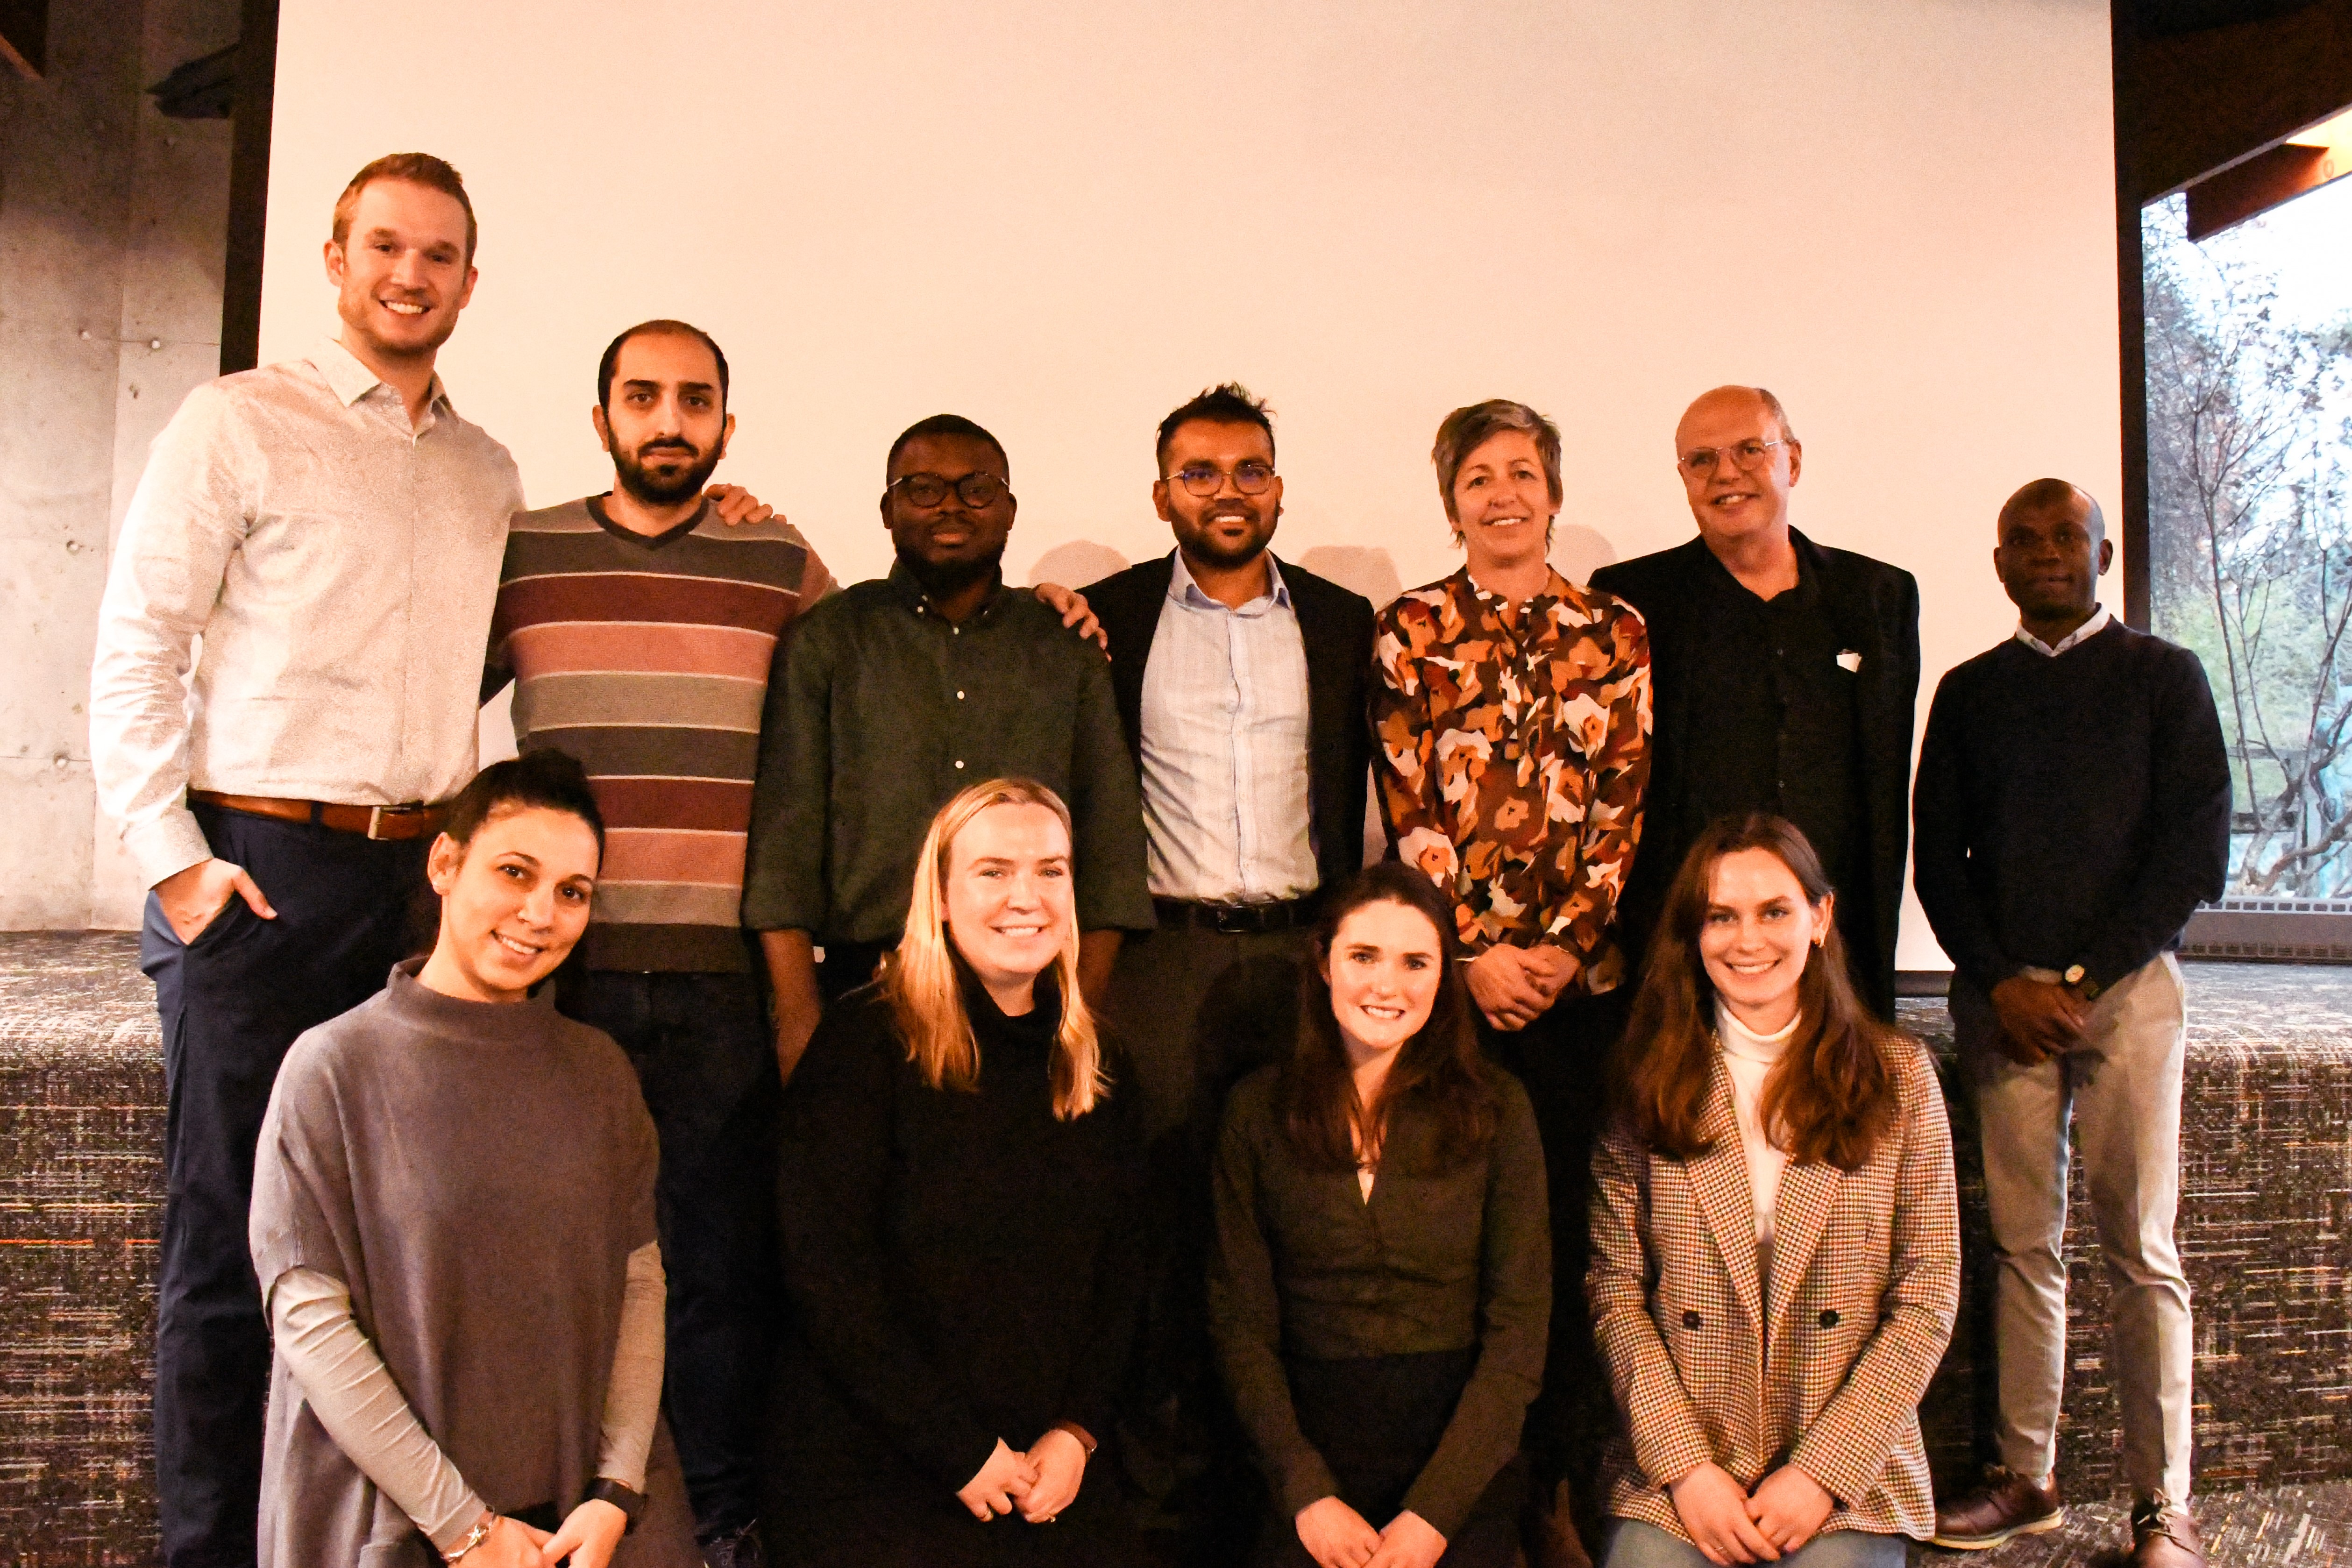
[(2070, 811)]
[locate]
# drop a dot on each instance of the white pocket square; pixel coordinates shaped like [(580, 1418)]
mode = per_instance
[(1850, 660)]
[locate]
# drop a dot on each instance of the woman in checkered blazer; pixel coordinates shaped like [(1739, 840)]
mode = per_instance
[(1776, 1254)]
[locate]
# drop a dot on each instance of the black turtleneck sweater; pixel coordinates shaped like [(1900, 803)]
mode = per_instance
[(2071, 810), (963, 1265)]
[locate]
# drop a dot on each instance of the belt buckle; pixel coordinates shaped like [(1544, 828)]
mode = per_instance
[(1234, 919), (376, 814)]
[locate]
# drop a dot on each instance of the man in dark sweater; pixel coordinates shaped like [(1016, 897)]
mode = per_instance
[(2073, 808)]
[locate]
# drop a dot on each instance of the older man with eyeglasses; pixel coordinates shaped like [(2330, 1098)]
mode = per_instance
[(1784, 675), (897, 692)]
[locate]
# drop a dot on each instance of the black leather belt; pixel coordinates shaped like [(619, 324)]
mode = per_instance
[(1238, 919)]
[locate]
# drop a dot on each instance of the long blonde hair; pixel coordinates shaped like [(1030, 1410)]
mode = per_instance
[(927, 994)]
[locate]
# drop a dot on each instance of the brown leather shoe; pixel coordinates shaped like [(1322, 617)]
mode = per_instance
[(2006, 1506), (2163, 1536)]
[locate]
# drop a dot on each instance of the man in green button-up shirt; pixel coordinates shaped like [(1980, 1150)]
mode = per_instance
[(896, 694)]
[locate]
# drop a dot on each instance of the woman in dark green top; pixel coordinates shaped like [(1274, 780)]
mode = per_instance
[(1383, 1278)]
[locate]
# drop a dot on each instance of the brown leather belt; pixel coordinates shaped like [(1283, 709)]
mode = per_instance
[(416, 820)]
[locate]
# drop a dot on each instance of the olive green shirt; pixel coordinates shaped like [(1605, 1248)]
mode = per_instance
[(879, 709), (1437, 1259)]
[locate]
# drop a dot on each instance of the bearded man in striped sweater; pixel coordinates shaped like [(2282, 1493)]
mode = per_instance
[(638, 630)]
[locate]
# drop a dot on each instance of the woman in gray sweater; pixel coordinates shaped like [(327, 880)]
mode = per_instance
[(453, 1228), (1380, 1286)]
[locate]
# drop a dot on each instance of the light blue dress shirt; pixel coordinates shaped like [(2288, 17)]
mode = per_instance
[(1225, 782)]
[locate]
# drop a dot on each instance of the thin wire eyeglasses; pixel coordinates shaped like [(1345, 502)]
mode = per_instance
[(975, 490), (1700, 461), (1201, 479)]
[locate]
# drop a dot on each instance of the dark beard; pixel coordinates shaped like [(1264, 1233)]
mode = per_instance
[(945, 579), (640, 483), (1218, 556)]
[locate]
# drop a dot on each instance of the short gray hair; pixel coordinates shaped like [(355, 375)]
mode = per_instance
[(1467, 429)]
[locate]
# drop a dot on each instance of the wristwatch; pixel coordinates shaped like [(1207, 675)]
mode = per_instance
[(2077, 977), (630, 1503)]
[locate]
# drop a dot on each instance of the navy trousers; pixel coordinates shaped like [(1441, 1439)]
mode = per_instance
[(231, 1002), (706, 1058)]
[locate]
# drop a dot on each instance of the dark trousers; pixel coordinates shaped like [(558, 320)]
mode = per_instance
[(706, 1060), (1193, 1012), (847, 966), (1377, 1420), (1563, 1059), (231, 1002)]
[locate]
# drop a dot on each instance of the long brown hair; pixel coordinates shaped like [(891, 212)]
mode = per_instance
[(1831, 1097), (1440, 1064), (926, 992)]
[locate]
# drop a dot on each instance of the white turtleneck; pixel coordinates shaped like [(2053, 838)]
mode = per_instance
[(1749, 1057)]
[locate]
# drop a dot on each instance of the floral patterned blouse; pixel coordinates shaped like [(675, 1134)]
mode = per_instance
[(1512, 754)]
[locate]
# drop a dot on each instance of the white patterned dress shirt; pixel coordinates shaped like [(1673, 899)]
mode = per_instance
[(1225, 779), (339, 567)]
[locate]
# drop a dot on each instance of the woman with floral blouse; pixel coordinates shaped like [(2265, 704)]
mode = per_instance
[(1512, 724)]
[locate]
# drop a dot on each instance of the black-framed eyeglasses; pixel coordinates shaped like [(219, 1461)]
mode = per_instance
[(1700, 461), (976, 490), (1204, 479)]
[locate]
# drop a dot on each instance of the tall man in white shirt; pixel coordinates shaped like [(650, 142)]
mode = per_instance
[(332, 529), (1243, 683)]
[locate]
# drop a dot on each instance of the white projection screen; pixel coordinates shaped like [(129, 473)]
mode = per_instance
[(1062, 219)]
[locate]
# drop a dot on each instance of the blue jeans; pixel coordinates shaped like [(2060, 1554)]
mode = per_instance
[(1632, 1545), (706, 1060)]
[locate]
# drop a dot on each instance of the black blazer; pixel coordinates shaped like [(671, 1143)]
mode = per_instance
[(1875, 608), (1336, 627)]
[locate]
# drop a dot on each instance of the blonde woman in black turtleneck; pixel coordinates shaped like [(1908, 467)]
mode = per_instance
[(959, 1194)]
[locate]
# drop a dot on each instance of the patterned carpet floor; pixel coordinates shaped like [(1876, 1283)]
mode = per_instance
[(2306, 1526), (2266, 1230)]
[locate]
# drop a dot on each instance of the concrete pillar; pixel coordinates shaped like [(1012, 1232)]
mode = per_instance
[(66, 157), (177, 237), (112, 229)]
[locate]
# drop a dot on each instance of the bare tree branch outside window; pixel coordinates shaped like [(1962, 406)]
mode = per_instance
[(2250, 436)]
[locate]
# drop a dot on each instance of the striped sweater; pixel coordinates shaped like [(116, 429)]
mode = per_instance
[(648, 659)]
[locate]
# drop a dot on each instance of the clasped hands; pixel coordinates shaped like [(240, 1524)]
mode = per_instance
[(1728, 1525), (1337, 1536), (1516, 986), (2039, 1019), (1041, 1483), (590, 1534)]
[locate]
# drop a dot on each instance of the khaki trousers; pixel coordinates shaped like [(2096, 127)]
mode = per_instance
[(2121, 1092)]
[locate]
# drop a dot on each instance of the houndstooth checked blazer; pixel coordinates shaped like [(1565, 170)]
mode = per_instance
[(1865, 1280)]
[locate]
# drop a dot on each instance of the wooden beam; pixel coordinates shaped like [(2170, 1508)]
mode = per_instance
[(2131, 334), (25, 36), (2250, 189), (2205, 101), (248, 187)]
